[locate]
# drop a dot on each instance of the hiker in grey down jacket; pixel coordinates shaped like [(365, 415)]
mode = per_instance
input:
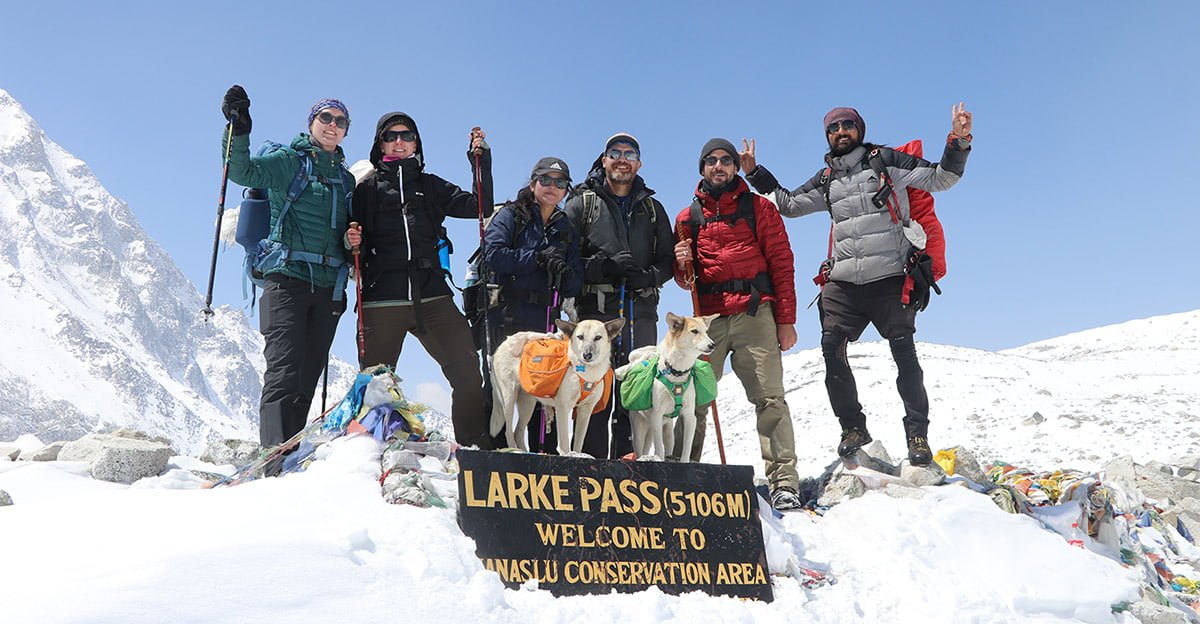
[(871, 246)]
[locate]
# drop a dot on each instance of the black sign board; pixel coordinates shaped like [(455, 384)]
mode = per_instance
[(585, 526)]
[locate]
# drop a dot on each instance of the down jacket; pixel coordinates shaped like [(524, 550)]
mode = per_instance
[(867, 244), (731, 251)]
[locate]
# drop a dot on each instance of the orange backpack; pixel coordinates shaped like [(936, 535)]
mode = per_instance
[(544, 364)]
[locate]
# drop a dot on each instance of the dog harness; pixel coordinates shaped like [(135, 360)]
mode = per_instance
[(544, 365), (637, 389)]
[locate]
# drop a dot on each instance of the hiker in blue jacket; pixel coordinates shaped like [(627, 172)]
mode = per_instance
[(872, 252), (532, 253), (304, 292)]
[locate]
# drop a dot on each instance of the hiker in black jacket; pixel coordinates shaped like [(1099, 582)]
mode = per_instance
[(626, 243), (872, 242), (400, 208)]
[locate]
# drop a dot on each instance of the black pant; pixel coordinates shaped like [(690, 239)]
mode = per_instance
[(446, 339), (846, 310), (298, 321), (641, 329)]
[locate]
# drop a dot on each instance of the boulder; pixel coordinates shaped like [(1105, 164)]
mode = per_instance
[(46, 453), (9, 452), (895, 490), (967, 466), (231, 451), (875, 457), (5, 499), (134, 434), (1035, 419), (125, 460), (841, 486), (1158, 466), (1149, 612), (922, 475), (1147, 482), (84, 449)]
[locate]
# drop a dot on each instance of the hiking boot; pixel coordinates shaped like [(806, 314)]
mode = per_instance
[(785, 499), (852, 440), (919, 453)]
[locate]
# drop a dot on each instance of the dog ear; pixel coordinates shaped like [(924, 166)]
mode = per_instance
[(614, 327), (674, 322), (709, 319), (566, 327)]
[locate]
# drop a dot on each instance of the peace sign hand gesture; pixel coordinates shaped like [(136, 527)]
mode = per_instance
[(960, 121), (747, 156)]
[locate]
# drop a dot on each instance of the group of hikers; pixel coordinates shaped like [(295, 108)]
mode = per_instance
[(608, 250)]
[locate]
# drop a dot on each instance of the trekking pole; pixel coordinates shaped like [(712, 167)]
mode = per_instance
[(487, 329), (555, 284), (325, 383), (212, 269), (690, 278), (362, 340)]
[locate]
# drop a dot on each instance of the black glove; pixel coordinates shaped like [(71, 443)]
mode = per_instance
[(551, 259), (236, 108), (920, 268), (629, 266), (644, 278)]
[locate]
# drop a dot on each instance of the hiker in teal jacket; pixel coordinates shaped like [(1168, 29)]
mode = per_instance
[(304, 292)]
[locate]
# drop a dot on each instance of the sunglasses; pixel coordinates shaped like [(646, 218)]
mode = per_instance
[(338, 120), (845, 124), (548, 180), (630, 155), (408, 136), (724, 160)]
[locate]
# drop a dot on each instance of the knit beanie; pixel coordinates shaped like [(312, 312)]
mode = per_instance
[(716, 144), (843, 113)]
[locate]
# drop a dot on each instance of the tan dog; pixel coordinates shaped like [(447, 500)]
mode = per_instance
[(686, 340), (589, 352)]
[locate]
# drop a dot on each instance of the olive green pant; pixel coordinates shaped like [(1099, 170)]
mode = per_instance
[(751, 344)]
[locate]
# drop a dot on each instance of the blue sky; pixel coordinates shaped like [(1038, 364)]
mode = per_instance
[(1077, 209)]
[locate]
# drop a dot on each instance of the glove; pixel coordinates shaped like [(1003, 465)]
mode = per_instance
[(920, 268), (551, 259), (641, 279), (629, 266), (236, 108)]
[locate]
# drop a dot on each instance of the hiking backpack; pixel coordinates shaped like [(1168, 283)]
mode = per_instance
[(757, 286), (260, 240), (932, 258)]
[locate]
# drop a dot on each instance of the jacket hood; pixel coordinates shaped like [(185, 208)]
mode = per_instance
[(304, 143), (391, 119)]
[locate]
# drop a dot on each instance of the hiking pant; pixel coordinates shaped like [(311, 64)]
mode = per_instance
[(752, 345), (297, 320), (641, 329), (846, 309), (503, 329), (447, 340)]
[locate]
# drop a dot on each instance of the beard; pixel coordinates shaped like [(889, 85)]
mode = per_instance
[(841, 149)]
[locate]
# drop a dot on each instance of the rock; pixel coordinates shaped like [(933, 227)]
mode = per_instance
[(1143, 482), (839, 487), (5, 499), (1189, 473), (875, 457), (84, 449), (967, 466), (1159, 467), (1187, 461), (9, 452), (1035, 419), (134, 434), (230, 451), (895, 490), (46, 453), (1148, 612), (125, 460), (922, 475)]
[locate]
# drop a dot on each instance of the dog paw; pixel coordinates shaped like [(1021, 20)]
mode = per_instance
[(650, 458), (580, 455)]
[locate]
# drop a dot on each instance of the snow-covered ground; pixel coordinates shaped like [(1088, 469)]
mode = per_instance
[(322, 546)]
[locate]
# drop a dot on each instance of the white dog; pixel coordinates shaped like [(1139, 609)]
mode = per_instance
[(686, 340), (589, 353)]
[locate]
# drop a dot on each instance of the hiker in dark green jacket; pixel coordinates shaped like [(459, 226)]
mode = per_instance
[(305, 278)]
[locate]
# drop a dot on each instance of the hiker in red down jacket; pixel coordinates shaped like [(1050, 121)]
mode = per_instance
[(734, 244), (872, 251)]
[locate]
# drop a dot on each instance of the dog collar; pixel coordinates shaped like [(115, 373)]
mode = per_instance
[(671, 370)]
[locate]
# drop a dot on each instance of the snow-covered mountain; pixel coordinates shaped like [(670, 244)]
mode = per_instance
[(99, 327), (1127, 389)]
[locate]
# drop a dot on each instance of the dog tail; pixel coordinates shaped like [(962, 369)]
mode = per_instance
[(499, 418)]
